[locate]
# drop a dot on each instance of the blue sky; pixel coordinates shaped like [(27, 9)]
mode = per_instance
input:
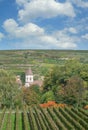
[(44, 24)]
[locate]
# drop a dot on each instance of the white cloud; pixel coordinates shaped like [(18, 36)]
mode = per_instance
[(25, 31), (37, 37), (31, 9), (21, 2), (85, 36), (72, 30), (80, 3), (1, 36), (10, 25), (65, 40)]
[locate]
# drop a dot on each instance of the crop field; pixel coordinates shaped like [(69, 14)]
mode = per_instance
[(37, 118)]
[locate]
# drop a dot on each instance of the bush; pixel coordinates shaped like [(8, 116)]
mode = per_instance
[(48, 96)]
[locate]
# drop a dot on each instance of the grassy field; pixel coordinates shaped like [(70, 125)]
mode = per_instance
[(37, 118)]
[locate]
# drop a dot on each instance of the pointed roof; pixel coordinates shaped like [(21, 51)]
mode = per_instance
[(29, 72)]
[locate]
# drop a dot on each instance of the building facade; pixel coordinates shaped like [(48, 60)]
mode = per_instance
[(29, 78)]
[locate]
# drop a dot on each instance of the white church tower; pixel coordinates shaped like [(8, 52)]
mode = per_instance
[(28, 78)]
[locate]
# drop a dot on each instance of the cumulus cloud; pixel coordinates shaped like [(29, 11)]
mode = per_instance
[(65, 40), (10, 25), (33, 34), (1, 36), (31, 9), (80, 3), (85, 36), (26, 31), (21, 2), (72, 30)]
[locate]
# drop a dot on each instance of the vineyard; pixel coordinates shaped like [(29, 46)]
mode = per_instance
[(44, 119)]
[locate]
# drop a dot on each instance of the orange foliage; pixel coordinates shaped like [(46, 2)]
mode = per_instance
[(52, 104), (48, 104), (86, 107), (61, 105)]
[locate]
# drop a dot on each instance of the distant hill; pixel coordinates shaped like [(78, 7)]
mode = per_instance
[(40, 60)]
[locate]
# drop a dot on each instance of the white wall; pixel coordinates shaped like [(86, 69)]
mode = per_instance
[(29, 78)]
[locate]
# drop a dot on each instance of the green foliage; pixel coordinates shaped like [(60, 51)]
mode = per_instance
[(74, 91), (30, 96), (63, 64), (48, 96), (9, 90), (69, 83), (52, 79), (36, 89)]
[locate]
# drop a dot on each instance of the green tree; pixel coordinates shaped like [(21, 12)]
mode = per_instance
[(48, 96), (31, 96), (9, 89), (74, 91), (59, 77), (52, 79)]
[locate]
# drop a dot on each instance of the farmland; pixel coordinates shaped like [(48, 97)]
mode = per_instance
[(37, 118), (39, 60), (34, 117)]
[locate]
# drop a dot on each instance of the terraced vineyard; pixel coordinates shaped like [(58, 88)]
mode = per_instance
[(44, 119), (40, 61), (20, 60)]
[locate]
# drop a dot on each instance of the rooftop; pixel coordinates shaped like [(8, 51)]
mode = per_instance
[(29, 72)]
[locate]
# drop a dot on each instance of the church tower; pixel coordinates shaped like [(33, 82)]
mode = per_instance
[(28, 78)]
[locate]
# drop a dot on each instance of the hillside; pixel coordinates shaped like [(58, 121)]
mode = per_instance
[(39, 60)]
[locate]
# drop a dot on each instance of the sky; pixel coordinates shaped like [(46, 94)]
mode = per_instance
[(44, 24)]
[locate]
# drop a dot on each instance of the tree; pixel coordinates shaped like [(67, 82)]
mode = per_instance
[(31, 96), (52, 79), (74, 91), (9, 89), (48, 96), (59, 77)]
